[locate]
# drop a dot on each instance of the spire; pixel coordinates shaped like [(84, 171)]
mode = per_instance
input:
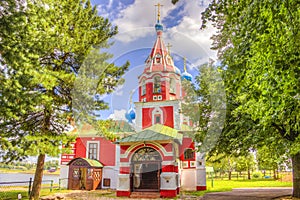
[(185, 74), (158, 12)]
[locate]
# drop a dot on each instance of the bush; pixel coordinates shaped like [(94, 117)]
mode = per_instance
[(257, 175)]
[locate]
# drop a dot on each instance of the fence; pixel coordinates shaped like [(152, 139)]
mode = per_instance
[(21, 189), (244, 175)]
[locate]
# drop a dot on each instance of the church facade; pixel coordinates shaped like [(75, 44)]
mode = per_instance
[(159, 154)]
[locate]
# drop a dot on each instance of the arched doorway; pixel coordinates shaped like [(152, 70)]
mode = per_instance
[(145, 170)]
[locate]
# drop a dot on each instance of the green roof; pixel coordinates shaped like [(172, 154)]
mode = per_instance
[(117, 127), (90, 162), (156, 132), (93, 163)]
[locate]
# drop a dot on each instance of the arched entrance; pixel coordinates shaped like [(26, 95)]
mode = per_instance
[(145, 170)]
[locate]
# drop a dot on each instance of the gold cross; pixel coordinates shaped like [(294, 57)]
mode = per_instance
[(158, 11)]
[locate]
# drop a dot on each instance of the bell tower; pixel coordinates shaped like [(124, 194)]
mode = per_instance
[(159, 86)]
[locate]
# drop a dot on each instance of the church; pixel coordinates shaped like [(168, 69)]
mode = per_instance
[(156, 153)]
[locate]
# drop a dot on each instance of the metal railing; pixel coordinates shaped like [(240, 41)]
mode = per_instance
[(23, 189)]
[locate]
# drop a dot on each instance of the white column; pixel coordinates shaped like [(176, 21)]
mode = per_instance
[(201, 172)]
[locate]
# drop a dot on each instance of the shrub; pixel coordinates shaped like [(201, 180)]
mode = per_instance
[(257, 175)]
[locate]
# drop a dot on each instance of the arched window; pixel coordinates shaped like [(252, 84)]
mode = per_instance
[(157, 58), (157, 116), (146, 154), (172, 85), (169, 60), (143, 87), (188, 154), (157, 85)]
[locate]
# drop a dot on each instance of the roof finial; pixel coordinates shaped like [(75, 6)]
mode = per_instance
[(184, 63), (158, 12)]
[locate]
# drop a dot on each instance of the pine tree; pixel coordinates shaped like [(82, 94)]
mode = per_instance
[(43, 46)]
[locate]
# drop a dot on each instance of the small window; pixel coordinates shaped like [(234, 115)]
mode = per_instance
[(188, 154), (157, 119), (93, 151), (157, 85), (76, 173), (106, 182), (158, 58), (169, 60), (143, 87), (172, 85)]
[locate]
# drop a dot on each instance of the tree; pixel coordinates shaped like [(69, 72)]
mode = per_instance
[(222, 163), (43, 45), (246, 163), (205, 105), (271, 157), (259, 46)]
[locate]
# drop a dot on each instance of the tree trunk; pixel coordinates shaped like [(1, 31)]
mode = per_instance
[(249, 174), (38, 176), (274, 174), (229, 175), (296, 175)]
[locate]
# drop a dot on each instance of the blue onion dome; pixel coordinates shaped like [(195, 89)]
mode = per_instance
[(187, 76), (130, 115), (177, 70), (159, 27)]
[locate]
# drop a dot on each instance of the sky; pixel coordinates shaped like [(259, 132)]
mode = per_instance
[(135, 20)]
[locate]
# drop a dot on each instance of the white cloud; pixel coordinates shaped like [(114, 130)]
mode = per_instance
[(110, 3), (118, 115), (119, 90), (137, 16), (186, 37)]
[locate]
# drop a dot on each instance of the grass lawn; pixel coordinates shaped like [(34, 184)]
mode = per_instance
[(9, 194), (218, 186), (228, 185)]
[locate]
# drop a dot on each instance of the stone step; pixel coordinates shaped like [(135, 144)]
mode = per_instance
[(148, 195)]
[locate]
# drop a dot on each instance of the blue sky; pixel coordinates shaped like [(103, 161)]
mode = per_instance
[(135, 20)]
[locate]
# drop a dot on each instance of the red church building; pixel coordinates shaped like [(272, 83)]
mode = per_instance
[(158, 155)]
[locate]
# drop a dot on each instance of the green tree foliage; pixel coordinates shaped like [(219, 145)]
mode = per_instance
[(222, 163), (246, 163), (205, 105), (43, 45), (259, 44), (272, 157)]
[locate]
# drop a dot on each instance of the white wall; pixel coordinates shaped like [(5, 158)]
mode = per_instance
[(110, 172), (64, 175), (188, 179)]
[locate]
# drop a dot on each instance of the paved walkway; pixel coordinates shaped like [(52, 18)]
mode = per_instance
[(235, 194), (249, 194)]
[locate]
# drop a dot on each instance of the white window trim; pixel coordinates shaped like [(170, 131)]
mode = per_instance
[(87, 149)]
